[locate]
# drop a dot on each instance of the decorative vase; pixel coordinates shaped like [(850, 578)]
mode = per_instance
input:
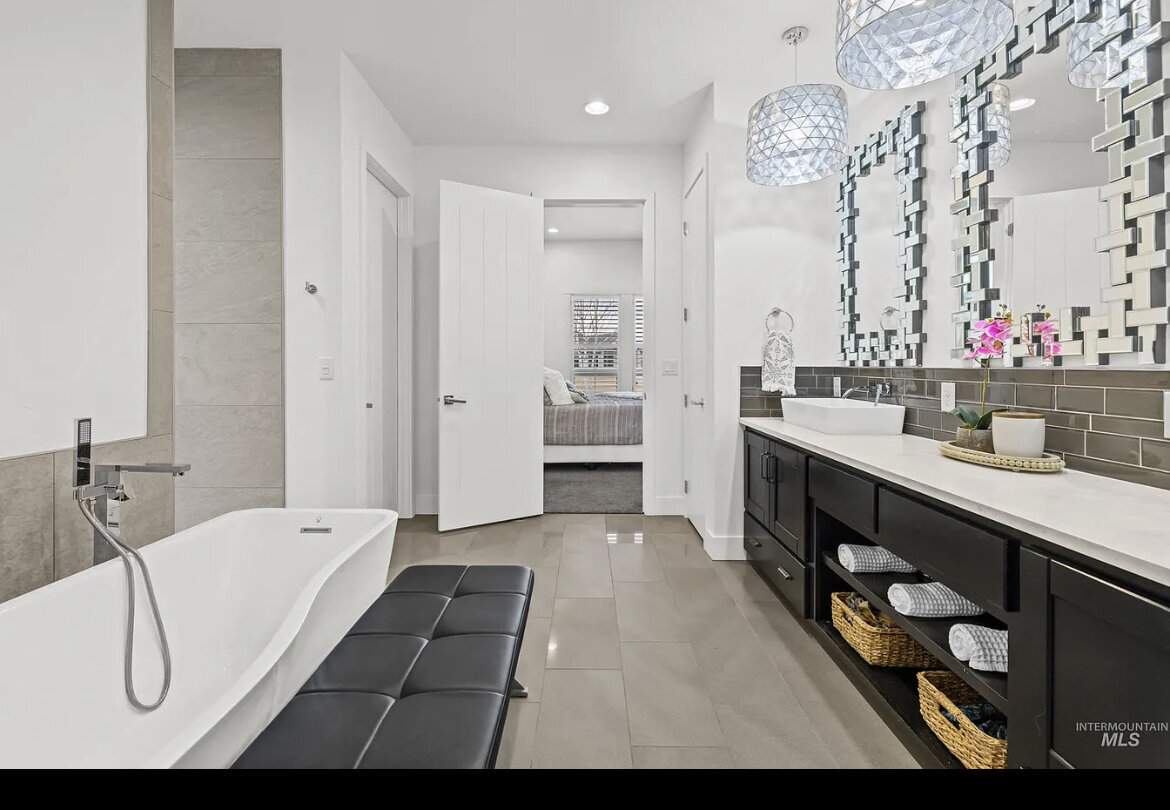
[(1020, 435), (980, 440)]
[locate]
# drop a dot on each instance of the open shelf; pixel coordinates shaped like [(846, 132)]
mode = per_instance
[(897, 693), (930, 633)]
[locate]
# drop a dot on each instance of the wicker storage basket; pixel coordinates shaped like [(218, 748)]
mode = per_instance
[(879, 646), (941, 691)]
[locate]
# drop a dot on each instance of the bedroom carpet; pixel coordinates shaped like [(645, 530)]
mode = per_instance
[(607, 489)]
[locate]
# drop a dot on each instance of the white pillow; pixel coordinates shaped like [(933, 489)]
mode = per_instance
[(557, 388)]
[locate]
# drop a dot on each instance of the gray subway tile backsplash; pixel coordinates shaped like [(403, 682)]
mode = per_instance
[(1104, 422), (1084, 400)]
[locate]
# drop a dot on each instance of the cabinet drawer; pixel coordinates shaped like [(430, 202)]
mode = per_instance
[(968, 559), (776, 563), (850, 499)]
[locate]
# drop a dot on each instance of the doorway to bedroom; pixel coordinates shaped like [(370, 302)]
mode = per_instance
[(595, 350)]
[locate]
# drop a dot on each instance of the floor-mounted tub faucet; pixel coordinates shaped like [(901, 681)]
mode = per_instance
[(100, 492)]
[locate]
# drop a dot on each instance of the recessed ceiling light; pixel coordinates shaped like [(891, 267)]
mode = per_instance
[(597, 108), (1021, 104), (554, 230)]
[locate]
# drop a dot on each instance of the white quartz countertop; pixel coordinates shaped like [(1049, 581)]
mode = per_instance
[(1123, 524)]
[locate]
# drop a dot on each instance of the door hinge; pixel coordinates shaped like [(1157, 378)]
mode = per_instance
[(686, 400), (686, 487), (686, 315), (686, 228)]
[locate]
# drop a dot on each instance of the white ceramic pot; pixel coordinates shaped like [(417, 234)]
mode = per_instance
[(1020, 435)]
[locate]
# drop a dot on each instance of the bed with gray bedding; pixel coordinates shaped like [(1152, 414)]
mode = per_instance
[(606, 420)]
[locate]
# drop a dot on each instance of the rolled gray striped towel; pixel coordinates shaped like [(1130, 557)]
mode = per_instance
[(930, 600), (872, 560), (985, 648)]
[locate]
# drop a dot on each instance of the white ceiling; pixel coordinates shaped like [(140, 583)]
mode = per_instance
[(519, 72), (515, 72), (594, 223)]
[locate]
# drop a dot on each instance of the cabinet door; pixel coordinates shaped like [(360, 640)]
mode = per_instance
[(757, 482), (790, 499), (1110, 674)]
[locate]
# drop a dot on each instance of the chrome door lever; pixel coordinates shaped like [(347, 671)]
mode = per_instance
[(699, 403), (450, 400)]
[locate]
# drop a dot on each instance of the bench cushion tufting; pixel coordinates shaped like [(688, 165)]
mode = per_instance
[(421, 681)]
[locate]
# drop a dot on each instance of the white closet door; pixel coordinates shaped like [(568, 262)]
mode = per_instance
[(491, 352)]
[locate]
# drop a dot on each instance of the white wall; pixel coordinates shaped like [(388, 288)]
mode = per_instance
[(73, 222), (560, 173), (596, 267), (330, 116)]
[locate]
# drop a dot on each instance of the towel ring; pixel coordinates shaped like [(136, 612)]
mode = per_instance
[(776, 313)]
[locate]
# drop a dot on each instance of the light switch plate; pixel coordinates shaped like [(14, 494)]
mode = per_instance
[(325, 368), (948, 397), (836, 386), (1166, 414), (670, 368)]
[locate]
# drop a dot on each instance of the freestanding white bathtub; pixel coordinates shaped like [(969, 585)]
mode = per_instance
[(252, 606)]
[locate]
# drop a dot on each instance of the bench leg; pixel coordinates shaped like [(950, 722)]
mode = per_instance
[(518, 690)]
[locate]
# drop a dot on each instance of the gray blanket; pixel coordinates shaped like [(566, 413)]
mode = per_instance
[(604, 420)]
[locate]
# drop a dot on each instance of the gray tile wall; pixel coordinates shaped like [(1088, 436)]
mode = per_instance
[(43, 537), (1106, 422), (229, 375)]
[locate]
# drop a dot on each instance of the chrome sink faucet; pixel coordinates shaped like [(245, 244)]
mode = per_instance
[(878, 390)]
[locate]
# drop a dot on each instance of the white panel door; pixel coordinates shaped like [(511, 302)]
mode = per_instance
[(381, 373), (697, 451), (491, 352)]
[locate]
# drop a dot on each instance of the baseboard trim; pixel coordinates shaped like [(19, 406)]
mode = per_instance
[(724, 548), (668, 505)]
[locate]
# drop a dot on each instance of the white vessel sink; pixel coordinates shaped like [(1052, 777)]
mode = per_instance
[(845, 417)]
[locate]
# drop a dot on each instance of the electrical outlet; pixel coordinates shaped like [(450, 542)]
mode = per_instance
[(948, 397), (836, 386)]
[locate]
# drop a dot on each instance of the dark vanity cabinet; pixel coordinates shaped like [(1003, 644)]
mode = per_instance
[(1089, 685), (1097, 666), (776, 505)]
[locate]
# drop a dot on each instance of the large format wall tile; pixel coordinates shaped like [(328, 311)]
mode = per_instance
[(196, 505), (227, 200), (162, 139), (162, 40), (148, 516), (231, 446), (228, 282), (26, 525), (162, 254), (227, 62), (228, 364), (228, 117), (161, 374)]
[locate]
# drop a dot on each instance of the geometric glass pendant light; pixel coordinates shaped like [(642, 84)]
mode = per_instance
[(892, 44), (999, 121), (799, 134), (1090, 68)]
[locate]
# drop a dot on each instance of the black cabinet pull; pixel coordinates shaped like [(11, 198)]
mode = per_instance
[(764, 466), (775, 471), (787, 576), (756, 543)]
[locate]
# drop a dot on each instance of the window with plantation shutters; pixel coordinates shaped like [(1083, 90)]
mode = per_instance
[(596, 342), (639, 344)]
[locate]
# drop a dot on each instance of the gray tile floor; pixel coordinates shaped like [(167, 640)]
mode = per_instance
[(641, 652)]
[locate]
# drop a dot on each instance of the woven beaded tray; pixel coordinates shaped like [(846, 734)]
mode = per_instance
[(1047, 464)]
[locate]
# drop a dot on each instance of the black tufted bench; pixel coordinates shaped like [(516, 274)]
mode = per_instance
[(421, 681)]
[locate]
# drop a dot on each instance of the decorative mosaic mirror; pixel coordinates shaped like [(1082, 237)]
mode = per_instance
[(896, 317), (1078, 89)]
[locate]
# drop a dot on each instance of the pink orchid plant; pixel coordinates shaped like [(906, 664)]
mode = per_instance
[(991, 341)]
